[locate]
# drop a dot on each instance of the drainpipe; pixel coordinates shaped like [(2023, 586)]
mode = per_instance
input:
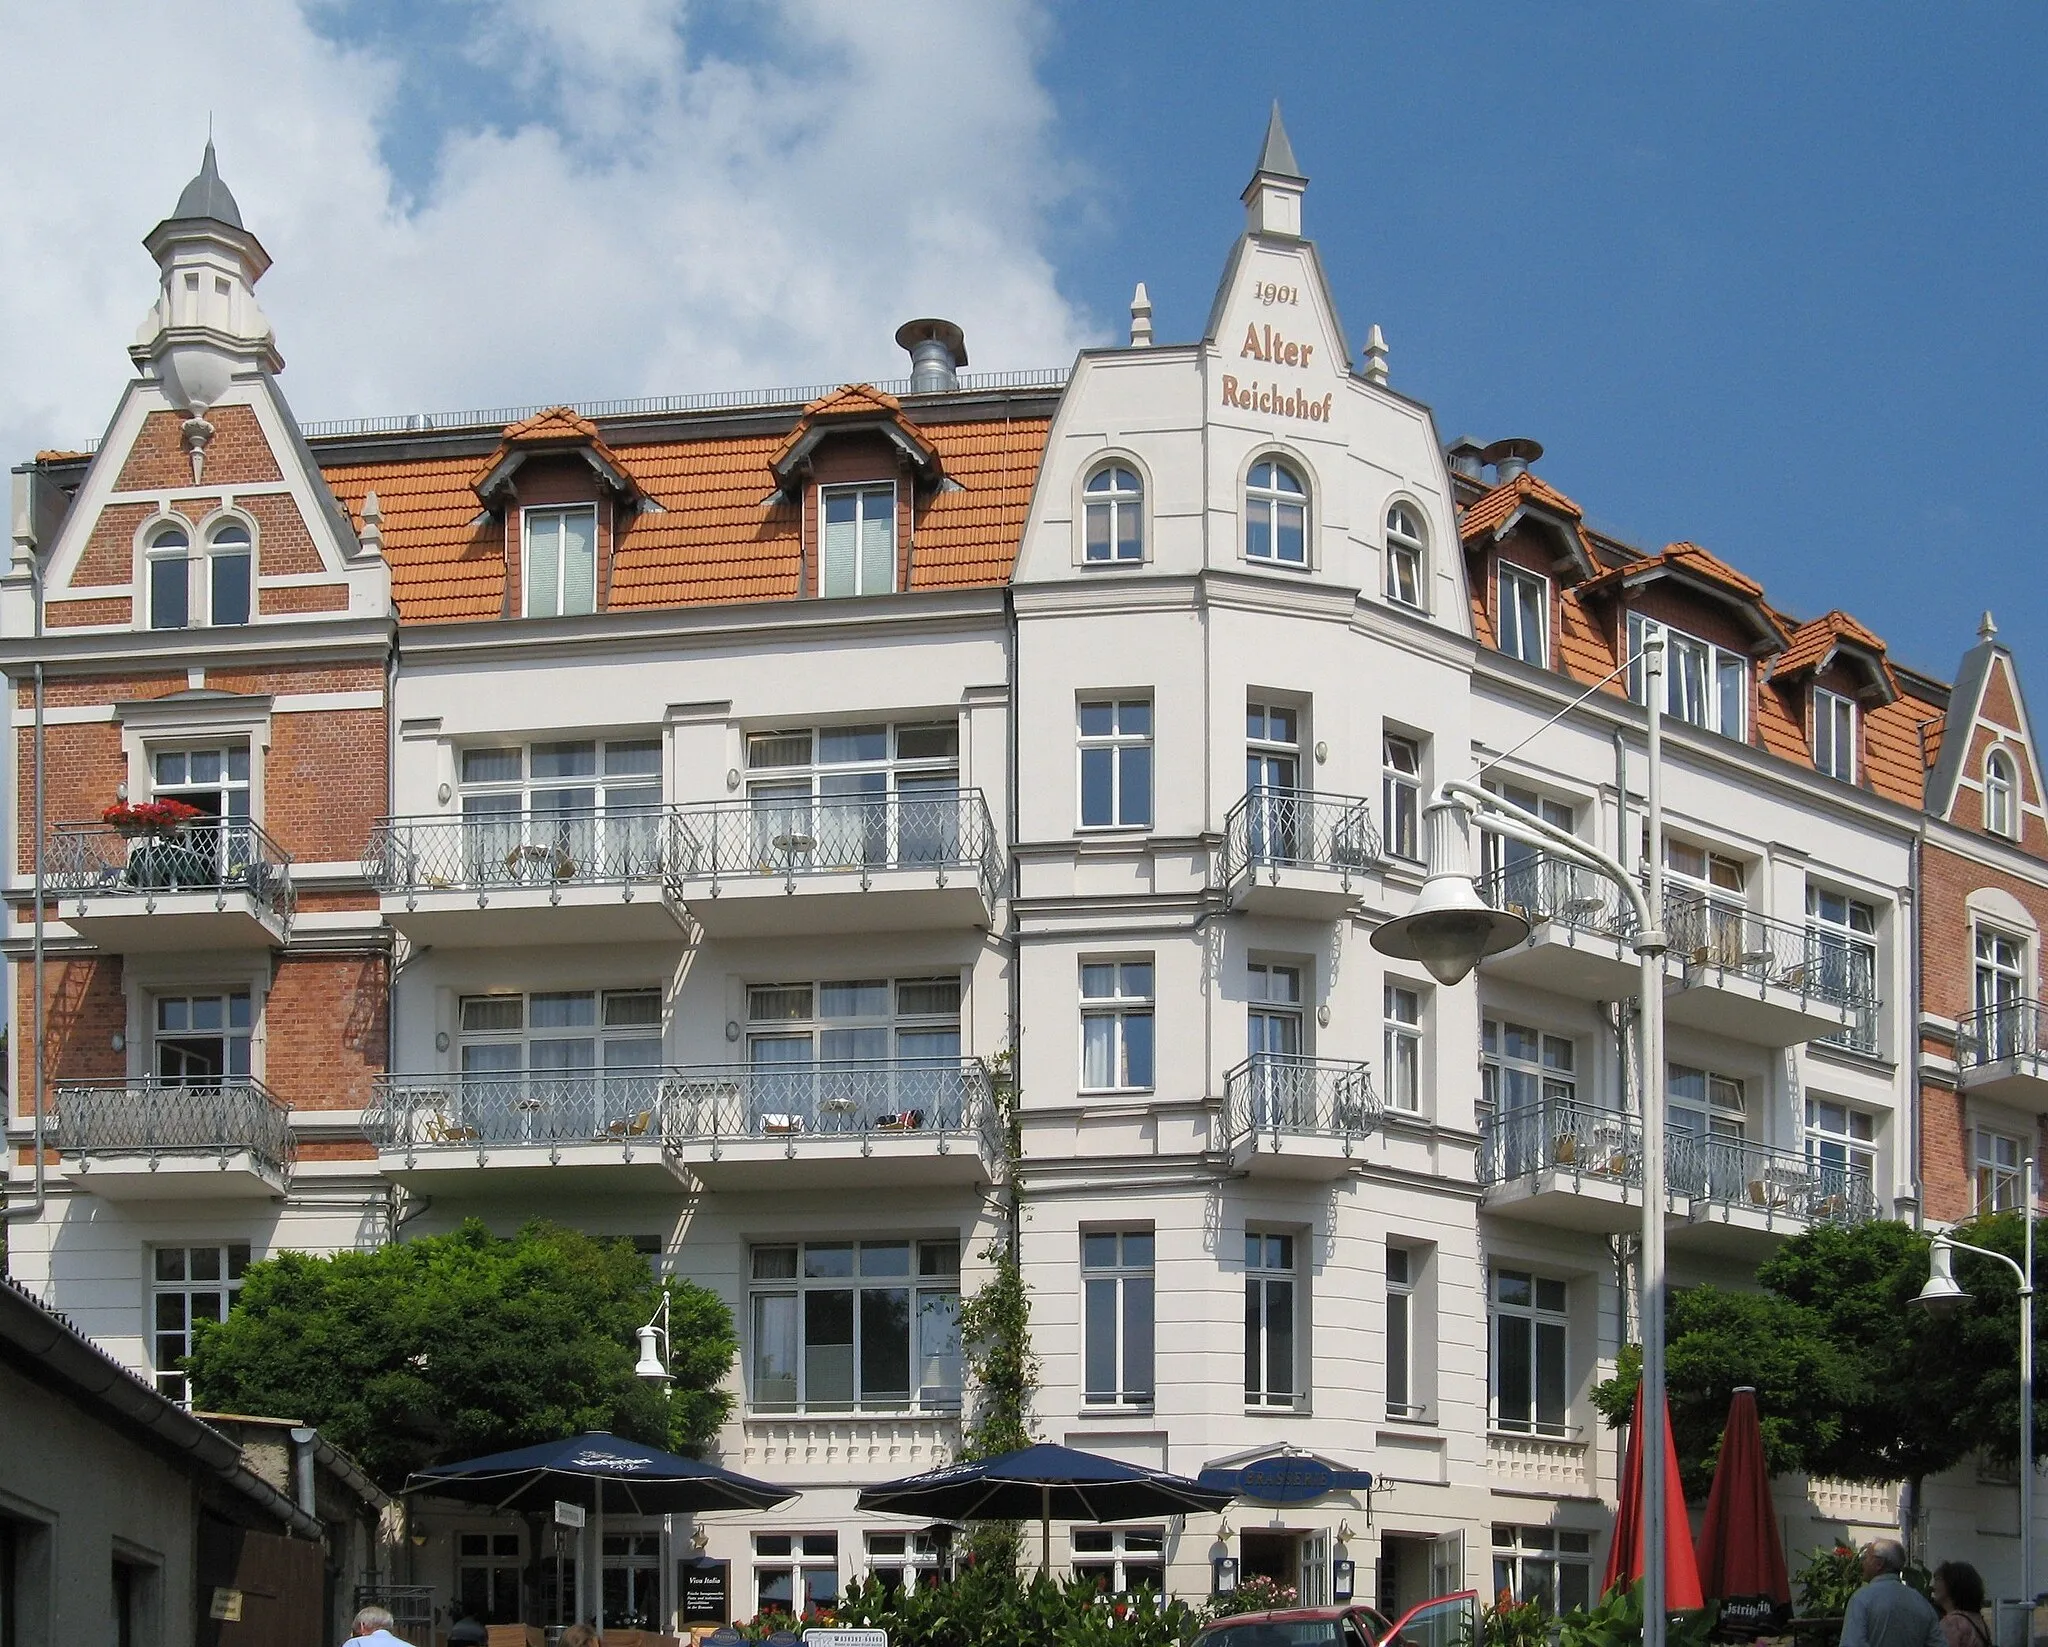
[(33, 1208), (1916, 985), (303, 1442), (1012, 825)]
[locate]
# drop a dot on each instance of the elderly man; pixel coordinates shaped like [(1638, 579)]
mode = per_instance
[(1887, 1611), (373, 1629)]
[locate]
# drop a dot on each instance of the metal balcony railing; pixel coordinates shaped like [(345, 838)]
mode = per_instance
[(1300, 1098), (1578, 1138), (1543, 888), (1709, 933), (664, 1106), (1994, 1034), (157, 1118), (947, 831), (488, 851), (218, 855), (1274, 829), (1739, 1172)]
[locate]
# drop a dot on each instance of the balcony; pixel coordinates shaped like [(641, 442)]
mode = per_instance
[(908, 861), (1298, 853), (147, 1140), (1581, 930), (218, 883), (553, 877), (1771, 983), (1999, 1055), (850, 1122), (472, 1133), (1298, 1117), (1568, 1165), (1744, 1197)]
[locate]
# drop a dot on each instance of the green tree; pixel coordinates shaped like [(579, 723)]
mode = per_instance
[(455, 1345)]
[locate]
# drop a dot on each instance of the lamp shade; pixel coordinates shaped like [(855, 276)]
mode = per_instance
[(1943, 1292), (650, 1364), (1451, 929)]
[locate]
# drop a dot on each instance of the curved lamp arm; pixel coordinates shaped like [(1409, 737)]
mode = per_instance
[(2013, 1264), (1513, 821)]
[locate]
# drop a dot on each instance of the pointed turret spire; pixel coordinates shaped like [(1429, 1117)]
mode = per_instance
[(1272, 199), (1141, 318), (207, 196), (1375, 356), (1987, 631)]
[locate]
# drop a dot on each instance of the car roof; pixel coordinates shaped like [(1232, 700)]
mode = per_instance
[(1283, 1615)]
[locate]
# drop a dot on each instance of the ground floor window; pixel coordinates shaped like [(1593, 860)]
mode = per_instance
[(189, 1285), (487, 1568), (1529, 1365), (1547, 1565), (795, 1573), (632, 1581), (897, 1559), (1118, 1560), (839, 1326)]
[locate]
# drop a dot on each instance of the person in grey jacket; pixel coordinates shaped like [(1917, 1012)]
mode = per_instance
[(1887, 1611)]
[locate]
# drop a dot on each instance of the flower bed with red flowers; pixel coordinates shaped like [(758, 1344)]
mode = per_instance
[(150, 817)]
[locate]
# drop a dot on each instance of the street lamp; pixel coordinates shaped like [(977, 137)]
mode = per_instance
[(653, 1364), (1942, 1295), (1452, 929)]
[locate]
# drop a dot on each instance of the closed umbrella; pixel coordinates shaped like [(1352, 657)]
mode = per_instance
[(599, 1472), (1043, 1481), (1742, 1553), (1625, 1554)]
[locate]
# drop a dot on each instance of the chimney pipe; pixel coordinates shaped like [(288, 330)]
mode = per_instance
[(1510, 458), (938, 349), (1463, 456)]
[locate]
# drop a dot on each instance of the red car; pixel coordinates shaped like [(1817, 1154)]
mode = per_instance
[(1443, 1621)]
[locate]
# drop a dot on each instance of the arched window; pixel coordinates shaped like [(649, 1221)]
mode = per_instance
[(1275, 514), (170, 578), (227, 573), (2000, 815), (1405, 544), (1115, 515)]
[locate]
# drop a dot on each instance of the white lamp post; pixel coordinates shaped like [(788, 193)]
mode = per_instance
[(1452, 929), (1943, 1294)]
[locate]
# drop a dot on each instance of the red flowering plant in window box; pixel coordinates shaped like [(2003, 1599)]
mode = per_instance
[(153, 818)]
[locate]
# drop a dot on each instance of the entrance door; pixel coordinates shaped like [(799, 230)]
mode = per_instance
[(1447, 1564), (632, 1581), (1314, 1558)]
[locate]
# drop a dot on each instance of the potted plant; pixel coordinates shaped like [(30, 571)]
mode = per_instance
[(159, 820)]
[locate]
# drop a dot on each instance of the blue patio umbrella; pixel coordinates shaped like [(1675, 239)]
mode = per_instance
[(1043, 1481), (600, 1472)]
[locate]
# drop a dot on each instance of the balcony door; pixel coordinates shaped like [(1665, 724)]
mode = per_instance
[(2001, 989), (217, 847), (202, 1040), (1528, 877), (1274, 1045), (1273, 781)]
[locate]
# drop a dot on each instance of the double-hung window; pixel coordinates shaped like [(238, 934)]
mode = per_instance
[(1704, 685), (1404, 555), (1275, 515), (1269, 1320), (2000, 788), (1116, 1026), (846, 1326), (560, 561), (1841, 1149), (2000, 1177), (1530, 1343), (795, 1573), (1549, 1566), (1841, 937), (189, 1285), (1114, 516), (1403, 1265), (169, 564), (1834, 735), (1116, 763), (857, 536), (1401, 795), (1402, 1048), (1121, 1560), (1523, 617), (1116, 1311), (579, 810)]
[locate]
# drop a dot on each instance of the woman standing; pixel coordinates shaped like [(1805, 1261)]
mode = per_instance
[(1959, 1593)]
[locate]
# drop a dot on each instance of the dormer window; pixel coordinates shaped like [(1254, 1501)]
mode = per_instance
[(1404, 555), (1275, 515), (2000, 815), (170, 579), (1524, 617), (1704, 685), (857, 539), (227, 573), (1114, 511), (561, 561), (1834, 735)]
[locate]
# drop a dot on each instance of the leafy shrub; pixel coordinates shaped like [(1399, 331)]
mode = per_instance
[(984, 1607), (1512, 1623), (1253, 1595)]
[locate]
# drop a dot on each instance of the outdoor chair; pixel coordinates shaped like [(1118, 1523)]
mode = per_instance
[(907, 1120), (522, 1635), (631, 1126)]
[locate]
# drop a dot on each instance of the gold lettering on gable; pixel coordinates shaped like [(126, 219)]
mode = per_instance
[(1263, 343)]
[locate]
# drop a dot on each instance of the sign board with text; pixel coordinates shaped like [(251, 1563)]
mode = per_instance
[(846, 1638)]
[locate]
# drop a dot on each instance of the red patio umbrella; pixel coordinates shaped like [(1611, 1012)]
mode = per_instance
[(1625, 1554), (1742, 1553)]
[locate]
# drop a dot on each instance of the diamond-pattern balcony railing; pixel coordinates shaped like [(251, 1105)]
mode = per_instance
[(1289, 1097), (1999, 1034), (485, 851), (217, 855), (157, 1118), (1278, 829)]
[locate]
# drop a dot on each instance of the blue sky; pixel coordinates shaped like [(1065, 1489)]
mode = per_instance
[(1767, 277)]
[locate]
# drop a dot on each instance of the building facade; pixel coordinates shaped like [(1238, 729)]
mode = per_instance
[(823, 836)]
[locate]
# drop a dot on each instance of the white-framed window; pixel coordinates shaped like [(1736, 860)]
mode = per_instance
[(1116, 1026), (201, 1040), (1275, 514), (1841, 1146), (857, 539), (560, 558), (898, 1561), (1704, 685), (1700, 1104), (1116, 763), (560, 1030), (1401, 1046), (1521, 1066), (855, 795), (2001, 815), (1841, 942), (1834, 735), (1401, 795), (488, 1567), (1403, 1272), (1551, 1566), (1530, 1346), (631, 1575), (2006, 1022), (1523, 615), (228, 573), (1116, 1312), (839, 1021), (168, 560), (213, 777), (1406, 546), (2000, 1176), (1113, 516), (189, 1284), (855, 1326), (1121, 1560), (1270, 1320), (795, 1573), (578, 809)]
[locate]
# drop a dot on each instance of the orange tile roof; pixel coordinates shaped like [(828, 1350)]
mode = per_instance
[(861, 402), (1485, 515), (1695, 559), (717, 530), (1812, 642), (558, 427)]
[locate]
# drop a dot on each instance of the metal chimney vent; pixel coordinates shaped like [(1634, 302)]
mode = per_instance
[(1510, 458), (938, 349)]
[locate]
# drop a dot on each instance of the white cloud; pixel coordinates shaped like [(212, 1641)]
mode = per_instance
[(682, 222)]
